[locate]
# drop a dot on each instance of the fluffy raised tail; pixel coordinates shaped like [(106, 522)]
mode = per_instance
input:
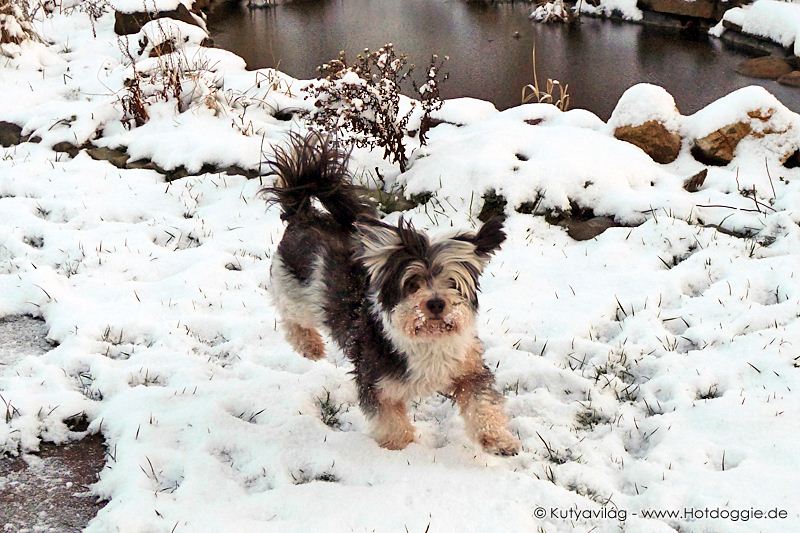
[(314, 166)]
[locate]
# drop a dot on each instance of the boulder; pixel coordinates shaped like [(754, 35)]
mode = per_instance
[(10, 134), (646, 116), (767, 67), (718, 147), (791, 79), (130, 23), (662, 145)]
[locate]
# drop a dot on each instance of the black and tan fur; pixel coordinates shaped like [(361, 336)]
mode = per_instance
[(400, 305)]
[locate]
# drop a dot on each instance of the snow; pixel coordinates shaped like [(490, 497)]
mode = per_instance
[(772, 19), (150, 6), (627, 9), (653, 367)]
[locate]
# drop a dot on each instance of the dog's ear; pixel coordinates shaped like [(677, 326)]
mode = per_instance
[(376, 241), (488, 239)]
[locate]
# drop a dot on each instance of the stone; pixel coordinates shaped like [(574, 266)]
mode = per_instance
[(728, 25), (704, 9), (583, 230), (662, 145), (129, 23), (718, 147), (767, 67), (67, 147), (118, 158), (791, 79), (694, 183), (144, 164), (10, 134)]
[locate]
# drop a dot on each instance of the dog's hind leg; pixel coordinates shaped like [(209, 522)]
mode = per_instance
[(297, 307), (306, 341)]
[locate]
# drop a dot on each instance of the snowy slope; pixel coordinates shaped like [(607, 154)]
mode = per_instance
[(654, 367)]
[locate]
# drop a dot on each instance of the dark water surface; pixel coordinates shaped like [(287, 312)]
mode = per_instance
[(598, 58)]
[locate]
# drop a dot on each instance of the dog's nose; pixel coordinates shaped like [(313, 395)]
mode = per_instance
[(435, 306)]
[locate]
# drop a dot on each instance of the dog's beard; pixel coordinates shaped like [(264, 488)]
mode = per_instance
[(416, 324)]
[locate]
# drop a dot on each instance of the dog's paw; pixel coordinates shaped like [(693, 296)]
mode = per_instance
[(312, 347), (500, 443), (314, 352), (398, 441)]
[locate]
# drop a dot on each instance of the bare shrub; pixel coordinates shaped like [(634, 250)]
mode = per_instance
[(15, 26), (163, 72), (363, 98)]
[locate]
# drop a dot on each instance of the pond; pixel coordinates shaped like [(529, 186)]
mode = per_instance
[(490, 49)]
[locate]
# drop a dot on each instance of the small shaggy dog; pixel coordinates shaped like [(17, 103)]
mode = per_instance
[(401, 306)]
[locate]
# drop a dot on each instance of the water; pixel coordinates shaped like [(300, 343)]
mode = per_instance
[(599, 59)]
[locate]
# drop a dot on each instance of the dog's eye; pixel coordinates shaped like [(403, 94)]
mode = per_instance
[(452, 283), (412, 285)]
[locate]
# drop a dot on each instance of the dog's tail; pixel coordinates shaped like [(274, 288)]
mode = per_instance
[(314, 166)]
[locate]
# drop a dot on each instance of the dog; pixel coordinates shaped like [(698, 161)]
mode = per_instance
[(400, 305)]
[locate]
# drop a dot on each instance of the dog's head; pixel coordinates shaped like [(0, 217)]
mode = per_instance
[(426, 289)]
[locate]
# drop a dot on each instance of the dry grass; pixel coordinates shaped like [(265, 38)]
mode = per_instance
[(533, 92)]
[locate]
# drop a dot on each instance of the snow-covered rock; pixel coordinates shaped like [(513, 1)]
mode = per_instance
[(646, 116)]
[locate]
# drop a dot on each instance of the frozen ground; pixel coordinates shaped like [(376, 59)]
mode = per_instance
[(654, 368), (48, 491)]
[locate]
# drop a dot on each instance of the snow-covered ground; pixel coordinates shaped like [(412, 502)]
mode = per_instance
[(653, 368)]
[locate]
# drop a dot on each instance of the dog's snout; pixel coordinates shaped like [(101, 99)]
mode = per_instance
[(435, 306)]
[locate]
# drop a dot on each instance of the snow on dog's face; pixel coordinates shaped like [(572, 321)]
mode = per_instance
[(426, 289)]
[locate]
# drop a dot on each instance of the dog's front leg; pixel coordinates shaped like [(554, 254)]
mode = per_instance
[(391, 426), (387, 417), (482, 406)]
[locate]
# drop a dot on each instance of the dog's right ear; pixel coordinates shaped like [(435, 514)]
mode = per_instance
[(376, 242), (488, 239)]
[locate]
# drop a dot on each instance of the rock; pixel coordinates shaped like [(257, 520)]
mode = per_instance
[(144, 164), (718, 147), (767, 67), (704, 9), (793, 161), (176, 174), (67, 147), (10, 134), (129, 23), (791, 79), (646, 116), (118, 158), (662, 145), (694, 183), (728, 25), (583, 230)]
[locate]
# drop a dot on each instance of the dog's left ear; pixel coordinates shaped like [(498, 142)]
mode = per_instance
[(488, 239)]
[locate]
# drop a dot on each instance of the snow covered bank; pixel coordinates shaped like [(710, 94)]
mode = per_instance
[(774, 20), (652, 368)]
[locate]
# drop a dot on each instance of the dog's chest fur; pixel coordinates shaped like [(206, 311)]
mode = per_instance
[(431, 366)]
